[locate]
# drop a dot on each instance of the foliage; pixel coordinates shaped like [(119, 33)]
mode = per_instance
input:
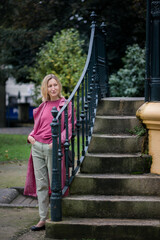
[(125, 21), (26, 25), (139, 131), (63, 56), (129, 80), (14, 147)]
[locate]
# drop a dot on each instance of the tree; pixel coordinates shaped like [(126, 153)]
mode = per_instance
[(26, 25), (129, 80), (125, 20), (62, 56)]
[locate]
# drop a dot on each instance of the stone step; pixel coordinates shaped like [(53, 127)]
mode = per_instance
[(119, 106), (103, 228), (116, 184), (130, 207), (116, 163), (103, 143), (104, 201), (115, 124)]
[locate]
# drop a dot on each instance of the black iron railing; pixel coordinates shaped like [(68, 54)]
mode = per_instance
[(91, 87)]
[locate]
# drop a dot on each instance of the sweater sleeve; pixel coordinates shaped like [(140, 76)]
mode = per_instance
[(31, 134), (36, 111)]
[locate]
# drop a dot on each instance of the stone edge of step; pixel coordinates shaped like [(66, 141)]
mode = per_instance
[(115, 155), (115, 117), (108, 221), (118, 176), (114, 136), (113, 198)]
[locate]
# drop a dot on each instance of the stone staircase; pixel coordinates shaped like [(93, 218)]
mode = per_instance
[(114, 197)]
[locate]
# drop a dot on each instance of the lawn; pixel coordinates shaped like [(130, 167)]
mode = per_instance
[(14, 147)]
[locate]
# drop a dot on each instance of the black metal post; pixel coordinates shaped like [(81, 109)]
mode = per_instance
[(155, 51), (60, 155), (66, 148), (78, 129), (56, 196), (148, 42), (106, 77), (86, 108), (82, 117), (72, 139)]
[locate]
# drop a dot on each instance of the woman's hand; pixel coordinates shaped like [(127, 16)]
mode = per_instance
[(31, 139), (50, 145)]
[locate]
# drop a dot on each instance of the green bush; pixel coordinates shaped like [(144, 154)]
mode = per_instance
[(64, 57), (129, 80)]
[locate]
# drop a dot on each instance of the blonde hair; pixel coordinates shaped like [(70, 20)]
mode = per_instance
[(44, 87)]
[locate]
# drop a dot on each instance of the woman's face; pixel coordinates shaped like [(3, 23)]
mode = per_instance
[(53, 89)]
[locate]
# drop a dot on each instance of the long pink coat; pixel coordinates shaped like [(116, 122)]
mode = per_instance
[(30, 184)]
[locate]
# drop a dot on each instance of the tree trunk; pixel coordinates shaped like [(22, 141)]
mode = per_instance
[(2, 105)]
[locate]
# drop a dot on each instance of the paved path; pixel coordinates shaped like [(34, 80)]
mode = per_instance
[(15, 224), (18, 213), (16, 130)]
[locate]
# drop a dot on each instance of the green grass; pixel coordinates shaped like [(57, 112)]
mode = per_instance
[(14, 147)]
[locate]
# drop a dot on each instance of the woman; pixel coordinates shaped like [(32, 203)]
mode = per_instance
[(39, 173)]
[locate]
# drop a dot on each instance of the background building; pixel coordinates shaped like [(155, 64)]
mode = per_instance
[(19, 102)]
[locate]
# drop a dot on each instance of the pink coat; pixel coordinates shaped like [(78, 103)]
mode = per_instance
[(30, 184)]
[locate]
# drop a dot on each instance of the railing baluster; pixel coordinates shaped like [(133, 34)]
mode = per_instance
[(73, 136), (86, 107), (89, 111), (82, 117), (94, 92), (92, 100), (60, 155), (78, 130), (66, 147), (96, 85), (56, 209)]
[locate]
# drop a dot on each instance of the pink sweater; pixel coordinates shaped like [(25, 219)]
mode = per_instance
[(43, 133)]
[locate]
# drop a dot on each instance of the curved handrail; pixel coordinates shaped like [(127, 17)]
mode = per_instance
[(83, 73)]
